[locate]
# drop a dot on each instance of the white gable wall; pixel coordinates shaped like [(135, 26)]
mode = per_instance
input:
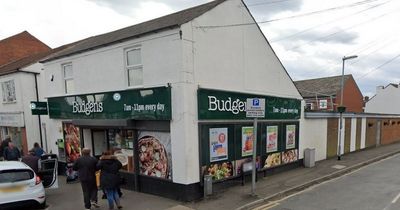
[(386, 101), (232, 58)]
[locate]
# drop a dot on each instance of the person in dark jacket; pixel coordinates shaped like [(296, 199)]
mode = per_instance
[(110, 178), (31, 160), (11, 152), (38, 150), (4, 145), (86, 167)]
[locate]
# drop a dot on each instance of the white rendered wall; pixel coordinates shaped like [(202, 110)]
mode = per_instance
[(233, 59), (25, 93), (104, 69), (386, 101), (313, 134), (353, 134), (363, 132)]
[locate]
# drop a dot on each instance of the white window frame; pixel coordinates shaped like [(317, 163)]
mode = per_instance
[(323, 104), (8, 91), (136, 67), (66, 79)]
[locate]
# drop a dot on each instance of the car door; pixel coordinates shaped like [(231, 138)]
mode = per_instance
[(48, 170)]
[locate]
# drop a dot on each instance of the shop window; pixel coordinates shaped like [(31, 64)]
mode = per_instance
[(68, 78), (8, 90), (134, 67), (121, 143)]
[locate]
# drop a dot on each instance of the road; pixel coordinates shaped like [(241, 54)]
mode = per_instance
[(375, 187)]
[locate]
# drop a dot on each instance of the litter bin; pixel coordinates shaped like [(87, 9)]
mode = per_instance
[(207, 185), (309, 157)]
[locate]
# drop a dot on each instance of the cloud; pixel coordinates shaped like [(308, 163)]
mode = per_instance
[(131, 8)]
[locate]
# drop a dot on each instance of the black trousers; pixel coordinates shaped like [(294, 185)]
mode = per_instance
[(89, 189)]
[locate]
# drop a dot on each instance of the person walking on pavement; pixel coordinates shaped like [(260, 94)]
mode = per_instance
[(3, 146), (31, 160), (109, 178), (86, 167), (38, 150), (11, 152)]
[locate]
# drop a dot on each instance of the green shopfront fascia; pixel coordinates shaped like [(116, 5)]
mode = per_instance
[(226, 135), (134, 124)]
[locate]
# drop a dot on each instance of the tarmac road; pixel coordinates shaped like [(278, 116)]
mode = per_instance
[(375, 187)]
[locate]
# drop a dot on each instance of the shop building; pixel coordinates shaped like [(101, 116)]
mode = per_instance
[(323, 94), (169, 97), (20, 84)]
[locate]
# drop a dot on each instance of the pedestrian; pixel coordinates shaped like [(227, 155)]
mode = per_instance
[(38, 150), (11, 152), (110, 178), (86, 167), (31, 160), (3, 146)]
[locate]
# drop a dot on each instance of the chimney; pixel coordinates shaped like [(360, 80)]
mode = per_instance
[(366, 99), (378, 88)]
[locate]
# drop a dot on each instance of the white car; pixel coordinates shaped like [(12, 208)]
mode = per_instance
[(20, 186)]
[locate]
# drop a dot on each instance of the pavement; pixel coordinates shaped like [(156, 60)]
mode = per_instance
[(269, 188)]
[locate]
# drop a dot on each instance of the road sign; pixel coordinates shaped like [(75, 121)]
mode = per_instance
[(255, 107)]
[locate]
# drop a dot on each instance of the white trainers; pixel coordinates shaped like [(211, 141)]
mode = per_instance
[(95, 204)]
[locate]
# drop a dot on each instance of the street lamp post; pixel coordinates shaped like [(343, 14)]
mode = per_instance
[(341, 108)]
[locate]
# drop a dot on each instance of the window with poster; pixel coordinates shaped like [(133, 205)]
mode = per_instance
[(121, 143)]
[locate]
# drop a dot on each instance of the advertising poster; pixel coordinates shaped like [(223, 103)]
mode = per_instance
[(273, 160), (155, 157), (272, 139), (72, 147), (289, 156), (72, 142), (218, 144), (290, 136), (247, 141), (220, 171)]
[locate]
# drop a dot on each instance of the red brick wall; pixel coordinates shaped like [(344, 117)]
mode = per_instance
[(20, 46), (390, 131), (352, 98)]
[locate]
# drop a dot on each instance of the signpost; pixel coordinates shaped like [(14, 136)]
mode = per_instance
[(255, 108)]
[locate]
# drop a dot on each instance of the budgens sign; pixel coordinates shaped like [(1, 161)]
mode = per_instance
[(224, 105)]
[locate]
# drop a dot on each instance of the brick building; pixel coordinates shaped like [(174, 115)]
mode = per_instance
[(323, 94)]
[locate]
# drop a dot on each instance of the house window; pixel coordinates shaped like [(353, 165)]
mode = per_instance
[(323, 104), (309, 106), (8, 89), (134, 67), (68, 78)]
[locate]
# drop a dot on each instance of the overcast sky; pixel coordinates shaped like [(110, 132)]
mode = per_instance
[(309, 46)]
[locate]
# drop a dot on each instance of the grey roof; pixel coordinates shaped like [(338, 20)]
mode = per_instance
[(326, 86), (165, 22)]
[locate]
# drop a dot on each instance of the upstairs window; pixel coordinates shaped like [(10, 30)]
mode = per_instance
[(68, 78), (134, 67), (8, 90)]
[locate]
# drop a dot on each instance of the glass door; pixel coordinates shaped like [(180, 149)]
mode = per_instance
[(99, 142)]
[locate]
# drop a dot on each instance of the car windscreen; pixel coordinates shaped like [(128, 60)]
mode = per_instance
[(8, 176)]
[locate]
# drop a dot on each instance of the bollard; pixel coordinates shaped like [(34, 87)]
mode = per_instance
[(207, 185)]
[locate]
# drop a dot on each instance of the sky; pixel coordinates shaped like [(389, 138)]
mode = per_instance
[(310, 37)]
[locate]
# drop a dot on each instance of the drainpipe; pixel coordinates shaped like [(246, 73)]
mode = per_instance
[(37, 99)]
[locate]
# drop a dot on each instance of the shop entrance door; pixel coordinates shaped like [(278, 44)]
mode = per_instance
[(99, 140)]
